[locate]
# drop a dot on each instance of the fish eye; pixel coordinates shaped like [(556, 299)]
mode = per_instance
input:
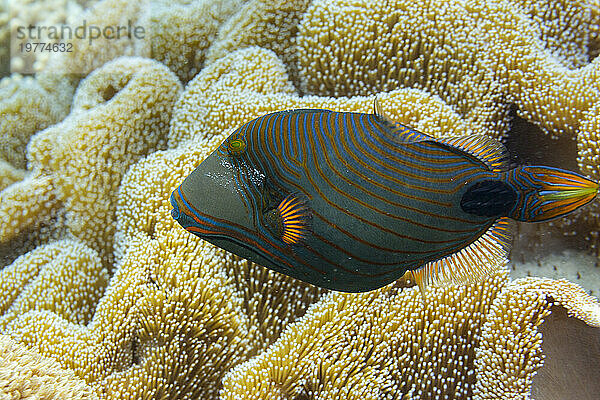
[(236, 146)]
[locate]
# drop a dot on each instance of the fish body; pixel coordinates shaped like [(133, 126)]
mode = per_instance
[(352, 201)]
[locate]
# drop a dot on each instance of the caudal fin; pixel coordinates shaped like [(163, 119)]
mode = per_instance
[(545, 193)]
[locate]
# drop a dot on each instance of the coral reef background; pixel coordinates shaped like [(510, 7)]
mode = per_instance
[(103, 295)]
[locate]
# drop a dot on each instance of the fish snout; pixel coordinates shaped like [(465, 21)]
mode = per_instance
[(213, 201), (175, 210), (178, 212), (211, 205)]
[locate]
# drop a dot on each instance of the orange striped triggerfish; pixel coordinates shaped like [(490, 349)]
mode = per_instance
[(352, 201)]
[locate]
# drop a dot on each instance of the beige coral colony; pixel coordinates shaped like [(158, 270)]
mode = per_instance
[(104, 296)]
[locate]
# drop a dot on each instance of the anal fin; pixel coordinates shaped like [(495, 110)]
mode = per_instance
[(471, 264)]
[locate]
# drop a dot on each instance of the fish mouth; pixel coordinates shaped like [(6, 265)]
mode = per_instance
[(175, 210), (181, 216)]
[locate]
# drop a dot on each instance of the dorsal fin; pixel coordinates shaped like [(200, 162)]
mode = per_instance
[(486, 149), (471, 264), (401, 133), (378, 111)]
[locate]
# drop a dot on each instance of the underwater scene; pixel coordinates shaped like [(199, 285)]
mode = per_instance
[(299, 200)]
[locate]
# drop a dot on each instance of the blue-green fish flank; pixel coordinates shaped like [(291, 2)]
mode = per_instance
[(351, 201)]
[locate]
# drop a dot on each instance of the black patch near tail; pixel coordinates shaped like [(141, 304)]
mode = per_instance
[(489, 199)]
